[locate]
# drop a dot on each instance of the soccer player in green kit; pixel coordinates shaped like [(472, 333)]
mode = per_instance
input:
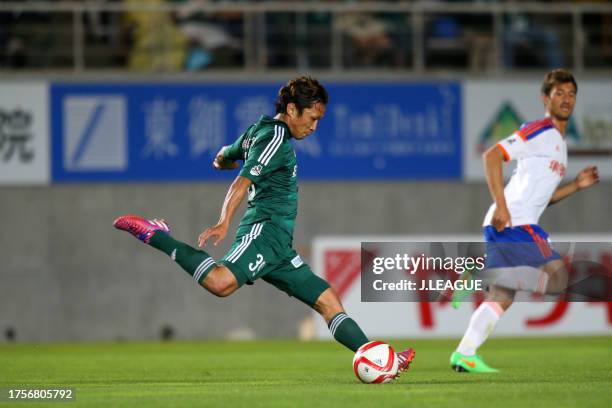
[(263, 247)]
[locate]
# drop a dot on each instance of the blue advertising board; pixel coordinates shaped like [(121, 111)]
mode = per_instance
[(171, 131)]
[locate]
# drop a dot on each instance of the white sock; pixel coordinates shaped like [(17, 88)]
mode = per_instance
[(482, 323)]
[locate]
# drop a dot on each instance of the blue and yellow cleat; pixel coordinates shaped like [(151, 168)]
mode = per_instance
[(469, 364)]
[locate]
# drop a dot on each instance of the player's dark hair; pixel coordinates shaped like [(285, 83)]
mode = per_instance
[(303, 91), (557, 77)]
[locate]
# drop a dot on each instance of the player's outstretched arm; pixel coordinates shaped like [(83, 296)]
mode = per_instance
[(222, 163), (232, 201), (585, 179), (493, 161)]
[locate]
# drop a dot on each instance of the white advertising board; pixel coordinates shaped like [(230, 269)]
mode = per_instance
[(493, 110), (338, 260), (24, 133)]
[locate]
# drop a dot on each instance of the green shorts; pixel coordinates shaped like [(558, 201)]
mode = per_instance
[(264, 250)]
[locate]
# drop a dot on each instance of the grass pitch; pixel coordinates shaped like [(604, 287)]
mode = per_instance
[(551, 372)]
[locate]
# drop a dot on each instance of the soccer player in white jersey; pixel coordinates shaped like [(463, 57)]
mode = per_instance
[(540, 150)]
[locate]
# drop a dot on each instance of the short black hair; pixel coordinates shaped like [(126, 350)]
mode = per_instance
[(303, 91), (557, 77)]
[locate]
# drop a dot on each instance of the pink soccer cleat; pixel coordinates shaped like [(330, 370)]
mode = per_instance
[(404, 359), (139, 227)]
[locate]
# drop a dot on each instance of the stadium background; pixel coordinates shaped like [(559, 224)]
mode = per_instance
[(94, 95)]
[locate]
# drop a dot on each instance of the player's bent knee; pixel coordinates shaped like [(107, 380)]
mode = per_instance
[(556, 269), (220, 282)]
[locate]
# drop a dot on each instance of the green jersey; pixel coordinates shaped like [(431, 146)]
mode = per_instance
[(270, 163)]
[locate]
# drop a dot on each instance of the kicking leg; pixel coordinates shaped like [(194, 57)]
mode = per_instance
[(346, 331), (297, 279), (218, 280)]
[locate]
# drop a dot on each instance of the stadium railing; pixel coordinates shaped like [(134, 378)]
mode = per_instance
[(336, 37)]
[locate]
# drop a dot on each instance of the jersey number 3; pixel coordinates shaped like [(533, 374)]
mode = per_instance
[(258, 264)]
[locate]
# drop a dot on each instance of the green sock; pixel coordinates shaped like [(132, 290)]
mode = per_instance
[(195, 262), (347, 332)]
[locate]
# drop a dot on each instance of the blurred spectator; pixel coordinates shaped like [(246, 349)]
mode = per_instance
[(445, 42), (105, 37), (13, 41), (317, 41), (458, 40), (530, 43), (211, 39), (157, 43), (95, 19), (369, 39), (299, 40), (12, 48), (597, 37), (282, 39)]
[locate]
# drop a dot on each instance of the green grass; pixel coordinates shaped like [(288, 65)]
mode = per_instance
[(562, 372)]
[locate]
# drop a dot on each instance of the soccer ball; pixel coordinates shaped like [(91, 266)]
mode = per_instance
[(375, 363)]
